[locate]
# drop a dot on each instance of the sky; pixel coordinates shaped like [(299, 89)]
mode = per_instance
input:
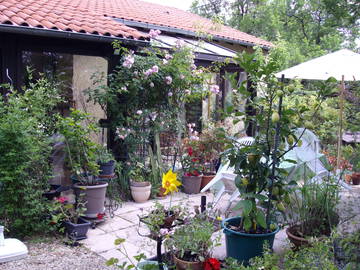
[(181, 4)]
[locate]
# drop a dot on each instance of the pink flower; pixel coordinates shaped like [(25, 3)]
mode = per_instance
[(129, 61), (155, 69), (215, 89), (62, 199), (148, 72), (170, 94), (168, 56), (179, 43), (122, 137), (124, 88), (168, 80), (139, 112), (154, 33), (152, 85), (182, 76)]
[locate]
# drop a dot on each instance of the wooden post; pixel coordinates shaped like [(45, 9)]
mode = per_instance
[(341, 112)]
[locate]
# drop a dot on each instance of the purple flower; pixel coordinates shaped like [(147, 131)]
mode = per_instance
[(215, 89), (168, 80), (154, 33)]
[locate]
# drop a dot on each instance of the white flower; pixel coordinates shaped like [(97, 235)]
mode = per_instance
[(139, 112), (164, 231), (187, 92), (122, 137), (153, 116), (215, 89), (152, 85), (154, 33), (124, 88), (128, 130), (179, 43), (193, 124), (168, 80), (170, 94), (193, 66), (182, 76), (155, 69), (165, 61), (168, 56), (129, 61)]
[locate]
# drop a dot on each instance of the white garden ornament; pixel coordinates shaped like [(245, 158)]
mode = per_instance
[(11, 249)]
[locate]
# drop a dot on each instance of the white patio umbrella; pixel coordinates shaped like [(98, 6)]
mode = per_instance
[(343, 65)]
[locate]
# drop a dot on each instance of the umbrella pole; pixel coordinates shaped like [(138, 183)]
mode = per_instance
[(341, 112)]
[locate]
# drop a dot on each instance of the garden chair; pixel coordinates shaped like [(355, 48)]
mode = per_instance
[(224, 179), (309, 153)]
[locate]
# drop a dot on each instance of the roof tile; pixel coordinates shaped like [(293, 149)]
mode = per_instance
[(94, 16)]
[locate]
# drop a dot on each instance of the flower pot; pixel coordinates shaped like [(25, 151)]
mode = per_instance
[(107, 168), (95, 198), (191, 184), (296, 240), (206, 180), (161, 192), (244, 246), (140, 191), (185, 265), (53, 193), (77, 231), (355, 177)]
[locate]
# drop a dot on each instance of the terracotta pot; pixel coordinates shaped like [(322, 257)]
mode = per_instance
[(191, 184), (296, 240), (140, 191), (95, 198), (161, 193), (355, 177), (206, 180), (185, 265)]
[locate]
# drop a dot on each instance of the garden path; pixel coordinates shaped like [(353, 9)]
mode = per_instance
[(125, 224)]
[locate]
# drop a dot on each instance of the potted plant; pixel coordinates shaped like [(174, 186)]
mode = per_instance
[(191, 167), (210, 145), (81, 159), (192, 244), (68, 216), (312, 212), (106, 162), (140, 188), (262, 183)]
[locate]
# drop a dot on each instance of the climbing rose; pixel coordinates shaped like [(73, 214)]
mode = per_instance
[(168, 80), (139, 112), (211, 264), (215, 89), (129, 61), (154, 33)]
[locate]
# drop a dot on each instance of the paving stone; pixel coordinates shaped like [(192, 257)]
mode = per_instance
[(100, 243), (114, 224)]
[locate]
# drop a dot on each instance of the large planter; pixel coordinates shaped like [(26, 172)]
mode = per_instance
[(95, 198), (206, 180), (77, 231), (191, 184), (107, 169), (355, 177), (244, 246), (140, 191), (185, 265)]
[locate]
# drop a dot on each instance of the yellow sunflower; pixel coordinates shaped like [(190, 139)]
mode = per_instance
[(170, 182)]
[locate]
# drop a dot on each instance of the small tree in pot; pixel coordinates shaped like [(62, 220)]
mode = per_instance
[(260, 179), (81, 159)]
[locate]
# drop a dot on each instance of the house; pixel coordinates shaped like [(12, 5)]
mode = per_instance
[(71, 39)]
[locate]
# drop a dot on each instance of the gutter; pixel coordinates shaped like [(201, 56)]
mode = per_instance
[(69, 35), (183, 32)]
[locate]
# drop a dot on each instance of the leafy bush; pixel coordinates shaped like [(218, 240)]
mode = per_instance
[(24, 157)]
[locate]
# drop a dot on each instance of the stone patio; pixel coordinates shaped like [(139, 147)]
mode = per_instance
[(126, 225)]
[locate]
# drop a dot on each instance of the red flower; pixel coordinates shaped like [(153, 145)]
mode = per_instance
[(190, 151), (211, 264), (195, 173), (62, 199), (100, 216), (194, 160)]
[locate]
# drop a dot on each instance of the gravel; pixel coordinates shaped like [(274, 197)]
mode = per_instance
[(52, 253)]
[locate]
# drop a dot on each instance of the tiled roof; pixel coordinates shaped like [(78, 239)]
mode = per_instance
[(96, 17), (62, 15), (141, 11)]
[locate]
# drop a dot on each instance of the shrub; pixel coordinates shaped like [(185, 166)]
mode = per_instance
[(24, 157)]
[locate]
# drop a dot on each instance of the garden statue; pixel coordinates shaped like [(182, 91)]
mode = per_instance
[(11, 249)]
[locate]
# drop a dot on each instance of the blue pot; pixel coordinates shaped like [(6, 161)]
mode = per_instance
[(244, 246)]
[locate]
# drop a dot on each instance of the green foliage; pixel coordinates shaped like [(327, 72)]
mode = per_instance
[(81, 151), (193, 242), (104, 155), (259, 176), (24, 157)]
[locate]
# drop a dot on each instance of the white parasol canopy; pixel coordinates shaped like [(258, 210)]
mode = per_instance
[(337, 64)]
